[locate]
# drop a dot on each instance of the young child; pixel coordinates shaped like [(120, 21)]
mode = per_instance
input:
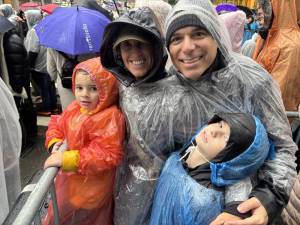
[(230, 148), (93, 127)]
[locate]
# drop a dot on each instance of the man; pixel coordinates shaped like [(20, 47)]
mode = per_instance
[(220, 80)]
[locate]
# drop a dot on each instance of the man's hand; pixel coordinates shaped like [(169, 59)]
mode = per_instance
[(259, 214), (220, 220)]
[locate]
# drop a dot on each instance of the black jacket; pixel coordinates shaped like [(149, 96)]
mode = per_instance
[(16, 61)]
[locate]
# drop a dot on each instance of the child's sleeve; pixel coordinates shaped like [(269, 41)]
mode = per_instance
[(54, 133), (105, 150)]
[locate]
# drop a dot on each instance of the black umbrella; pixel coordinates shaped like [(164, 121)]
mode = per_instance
[(5, 24)]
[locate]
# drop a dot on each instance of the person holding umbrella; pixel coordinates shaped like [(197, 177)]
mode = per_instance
[(38, 64), (69, 33)]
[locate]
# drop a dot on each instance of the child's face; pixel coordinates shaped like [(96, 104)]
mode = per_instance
[(86, 92), (212, 139)]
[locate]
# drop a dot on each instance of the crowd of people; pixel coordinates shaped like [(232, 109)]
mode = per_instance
[(180, 121)]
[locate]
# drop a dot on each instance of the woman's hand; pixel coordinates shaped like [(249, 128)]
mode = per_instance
[(259, 214), (55, 159)]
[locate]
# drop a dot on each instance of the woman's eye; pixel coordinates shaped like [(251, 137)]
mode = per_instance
[(220, 124), (78, 88), (94, 88)]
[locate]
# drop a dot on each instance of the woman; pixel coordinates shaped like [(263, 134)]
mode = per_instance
[(127, 53)]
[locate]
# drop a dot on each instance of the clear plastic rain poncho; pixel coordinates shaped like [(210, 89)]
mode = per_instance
[(10, 150), (181, 200), (162, 116)]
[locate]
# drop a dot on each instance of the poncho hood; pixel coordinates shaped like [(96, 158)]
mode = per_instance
[(285, 14), (105, 82), (141, 20), (246, 163)]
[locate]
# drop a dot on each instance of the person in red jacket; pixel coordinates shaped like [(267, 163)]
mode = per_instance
[(93, 128)]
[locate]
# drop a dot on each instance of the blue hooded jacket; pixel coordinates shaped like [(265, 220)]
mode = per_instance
[(180, 200)]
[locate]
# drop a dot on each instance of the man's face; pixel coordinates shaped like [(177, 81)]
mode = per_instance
[(260, 16), (192, 51), (137, 57)]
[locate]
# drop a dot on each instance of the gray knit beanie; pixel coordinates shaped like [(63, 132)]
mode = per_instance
[(181, 22), (197, 13)]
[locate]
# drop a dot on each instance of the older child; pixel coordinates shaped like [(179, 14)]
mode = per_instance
[(93, 127), (190, 189)]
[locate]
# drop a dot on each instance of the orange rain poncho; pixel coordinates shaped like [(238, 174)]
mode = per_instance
[(95, 140), (280, 54)]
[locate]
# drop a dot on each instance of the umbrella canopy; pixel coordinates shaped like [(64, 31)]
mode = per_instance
[(28, 5), (48, 8), (226, 7), (5, 24), (73, 30)]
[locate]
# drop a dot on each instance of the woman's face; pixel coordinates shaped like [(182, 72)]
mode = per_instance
[(192, 51), (86, 92), (137, 57), (212, 139)]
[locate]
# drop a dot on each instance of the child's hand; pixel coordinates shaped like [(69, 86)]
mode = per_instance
[(56, 146), (55, 159)]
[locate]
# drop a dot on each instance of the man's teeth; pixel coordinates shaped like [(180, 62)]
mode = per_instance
[(138, 62)]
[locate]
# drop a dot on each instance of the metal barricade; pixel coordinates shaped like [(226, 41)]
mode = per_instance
[(28, 213), (34, 194), (291, 114)]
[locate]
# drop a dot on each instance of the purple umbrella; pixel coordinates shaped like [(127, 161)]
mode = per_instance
[(226, 7), (73, 30)]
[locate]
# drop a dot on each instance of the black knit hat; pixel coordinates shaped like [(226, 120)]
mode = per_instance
[(181, 22), (242, 133)]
